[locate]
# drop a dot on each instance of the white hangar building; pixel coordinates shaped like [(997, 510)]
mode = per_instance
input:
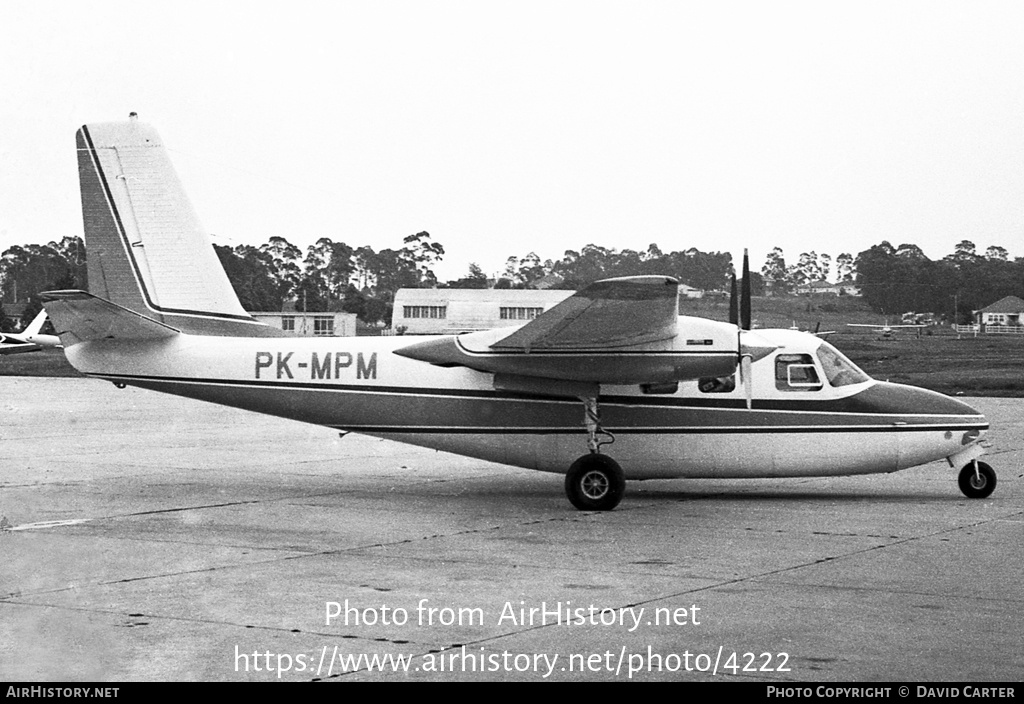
[(310, 324), (448, 311)]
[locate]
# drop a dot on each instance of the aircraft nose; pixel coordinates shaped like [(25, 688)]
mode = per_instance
[(884, 397), (913, 406), (978, 418), (940, 403), (966, 407)]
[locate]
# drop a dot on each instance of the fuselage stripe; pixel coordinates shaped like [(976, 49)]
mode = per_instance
[(886, 421)]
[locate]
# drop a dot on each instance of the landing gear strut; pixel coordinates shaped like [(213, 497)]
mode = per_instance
[(595, 482), (977, 480)]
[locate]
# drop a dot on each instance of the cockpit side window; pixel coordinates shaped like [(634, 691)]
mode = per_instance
[(796, 372), (838, 369)]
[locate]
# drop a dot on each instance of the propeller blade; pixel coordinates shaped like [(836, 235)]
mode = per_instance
[(753, 347), (734, 311), (745, 294)]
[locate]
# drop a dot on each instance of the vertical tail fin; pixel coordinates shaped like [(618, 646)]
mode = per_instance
[(36, 325), (146, 248)]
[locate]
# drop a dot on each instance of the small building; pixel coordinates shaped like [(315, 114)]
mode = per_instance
[(827, 289), (447, 311), (1008, 311), (310, 324), (690, 292)]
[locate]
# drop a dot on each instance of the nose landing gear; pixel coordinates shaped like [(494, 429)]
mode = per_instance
[(977, 480)]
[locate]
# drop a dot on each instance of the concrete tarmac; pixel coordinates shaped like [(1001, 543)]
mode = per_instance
[(148, 537)]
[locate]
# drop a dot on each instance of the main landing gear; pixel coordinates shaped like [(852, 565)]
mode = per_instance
[(977, 480), (595, 482)]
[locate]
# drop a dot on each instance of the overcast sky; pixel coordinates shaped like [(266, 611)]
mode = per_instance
[(508, 127)]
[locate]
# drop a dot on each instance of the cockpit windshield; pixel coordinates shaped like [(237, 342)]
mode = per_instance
[(838, 369)]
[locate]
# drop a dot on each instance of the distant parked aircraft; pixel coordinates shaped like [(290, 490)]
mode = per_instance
[(887, 331), (817, 331), (29, 339)]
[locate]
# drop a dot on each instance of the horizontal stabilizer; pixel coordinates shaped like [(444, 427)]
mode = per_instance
[(80, 317), (608, 314)]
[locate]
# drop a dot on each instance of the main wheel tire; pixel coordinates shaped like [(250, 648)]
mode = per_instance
[(977, 485), (595, 483)]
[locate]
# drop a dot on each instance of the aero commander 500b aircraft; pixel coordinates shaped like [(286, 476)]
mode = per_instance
[(679, 396)]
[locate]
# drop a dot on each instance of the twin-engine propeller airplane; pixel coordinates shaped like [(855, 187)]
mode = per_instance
[(28, 340), (679, 396)]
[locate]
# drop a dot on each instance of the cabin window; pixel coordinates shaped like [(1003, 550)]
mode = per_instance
[(796, 372), (511, 313), (838, 369), (717, 384), (436, 312)]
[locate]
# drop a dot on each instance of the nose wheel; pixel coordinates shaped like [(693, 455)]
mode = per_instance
[(977, 480)]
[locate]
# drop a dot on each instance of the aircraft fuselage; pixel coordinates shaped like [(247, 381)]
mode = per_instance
[(794, 427)]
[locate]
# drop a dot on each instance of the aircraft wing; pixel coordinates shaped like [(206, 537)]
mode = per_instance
[(607, 314), (81, 317), (616, 331), (14, 345)]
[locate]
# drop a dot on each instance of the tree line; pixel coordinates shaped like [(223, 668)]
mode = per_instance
[(332, 276), (26, 270), (899, 279)]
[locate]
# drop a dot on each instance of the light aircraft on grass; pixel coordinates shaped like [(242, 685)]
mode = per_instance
[(29, 339), (679, 396), (817, 330), (886, 331)]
